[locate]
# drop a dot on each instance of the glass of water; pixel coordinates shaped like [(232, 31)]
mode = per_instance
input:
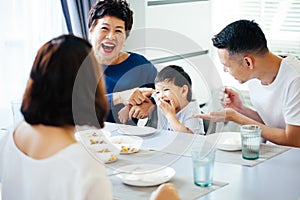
[(203, 167), (251, 137)]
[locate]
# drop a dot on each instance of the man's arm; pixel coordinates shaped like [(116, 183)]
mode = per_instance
[(290, 136), (248, 112), (133, 96)]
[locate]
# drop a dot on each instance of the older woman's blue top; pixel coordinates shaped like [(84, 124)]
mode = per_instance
[(135, 71)]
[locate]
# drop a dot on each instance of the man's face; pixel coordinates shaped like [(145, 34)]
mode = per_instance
[(235, 65)]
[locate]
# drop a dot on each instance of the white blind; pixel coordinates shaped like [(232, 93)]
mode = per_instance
[(280, 21), (25, 26)]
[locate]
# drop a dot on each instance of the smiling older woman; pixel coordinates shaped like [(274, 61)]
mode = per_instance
[(110, 22)]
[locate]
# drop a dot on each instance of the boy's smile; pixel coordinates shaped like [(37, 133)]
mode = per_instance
[(167, 91)]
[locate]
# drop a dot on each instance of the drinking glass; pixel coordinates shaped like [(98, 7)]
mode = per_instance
[(203, 167), (251, 137)]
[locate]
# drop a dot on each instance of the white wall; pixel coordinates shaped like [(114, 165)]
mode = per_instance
[(174, 29)]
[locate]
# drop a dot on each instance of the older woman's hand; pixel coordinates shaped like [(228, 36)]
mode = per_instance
[(123, 114)]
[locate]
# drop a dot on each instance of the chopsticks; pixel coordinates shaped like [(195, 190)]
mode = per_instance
[(167, 152)]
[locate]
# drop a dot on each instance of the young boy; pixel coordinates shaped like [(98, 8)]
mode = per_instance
[(173, 97)]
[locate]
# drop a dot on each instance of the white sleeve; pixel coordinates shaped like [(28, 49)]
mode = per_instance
[(292, 104), (195, 125)]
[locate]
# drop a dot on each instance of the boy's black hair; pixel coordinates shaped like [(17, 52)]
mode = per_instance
[(177, 75)]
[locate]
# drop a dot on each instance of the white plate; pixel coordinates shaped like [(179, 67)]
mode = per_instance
[(127, 144), (230, 141), (137, 130), (91, 133), (145, 174), (106, 157), (97, 143)]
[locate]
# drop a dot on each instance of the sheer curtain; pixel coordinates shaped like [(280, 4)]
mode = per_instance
[(25, 26), (76, 16)]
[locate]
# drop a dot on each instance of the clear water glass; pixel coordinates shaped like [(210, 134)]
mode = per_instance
[(251, 137), (203, 167)]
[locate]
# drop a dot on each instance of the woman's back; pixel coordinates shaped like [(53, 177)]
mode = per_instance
[(71, 173)]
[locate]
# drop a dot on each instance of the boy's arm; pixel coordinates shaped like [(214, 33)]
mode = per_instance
[(170, 113), (176, 125)]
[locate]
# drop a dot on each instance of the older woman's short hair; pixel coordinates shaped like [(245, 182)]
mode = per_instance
[(115, 8)]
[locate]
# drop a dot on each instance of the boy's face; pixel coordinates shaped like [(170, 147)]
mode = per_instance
[(167, 91)]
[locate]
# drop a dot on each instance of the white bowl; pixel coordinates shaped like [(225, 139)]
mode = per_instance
[(127, 144), (98, 144), (91, 136), (230, 141)]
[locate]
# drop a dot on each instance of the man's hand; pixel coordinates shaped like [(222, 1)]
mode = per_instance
[(232, 100), (133, 96), (218, 116)]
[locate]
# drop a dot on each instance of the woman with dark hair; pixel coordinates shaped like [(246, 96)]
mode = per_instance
[(40, 158), (110, 22)]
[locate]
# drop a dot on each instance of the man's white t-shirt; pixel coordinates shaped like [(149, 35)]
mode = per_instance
[(71, 174), (278, 104)]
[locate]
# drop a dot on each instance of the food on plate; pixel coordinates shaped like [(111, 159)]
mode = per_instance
[(105, 150), (127, 144), (94, 134), (125, 149), (98, 143), (112, 158), (94, 141)]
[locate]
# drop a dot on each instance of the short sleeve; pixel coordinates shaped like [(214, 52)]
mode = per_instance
[(292, 103)]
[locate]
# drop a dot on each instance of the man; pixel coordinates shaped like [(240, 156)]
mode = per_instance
[(274, 83)]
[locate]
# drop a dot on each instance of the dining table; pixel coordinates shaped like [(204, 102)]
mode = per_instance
[(275, 175)]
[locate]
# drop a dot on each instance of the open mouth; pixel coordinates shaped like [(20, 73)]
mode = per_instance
[(108, 47), (167, 100)]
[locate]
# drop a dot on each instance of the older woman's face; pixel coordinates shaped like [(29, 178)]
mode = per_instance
[(108, 37)]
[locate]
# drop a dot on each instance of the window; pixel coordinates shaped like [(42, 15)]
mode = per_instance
[(280, 21), (26, 25)]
